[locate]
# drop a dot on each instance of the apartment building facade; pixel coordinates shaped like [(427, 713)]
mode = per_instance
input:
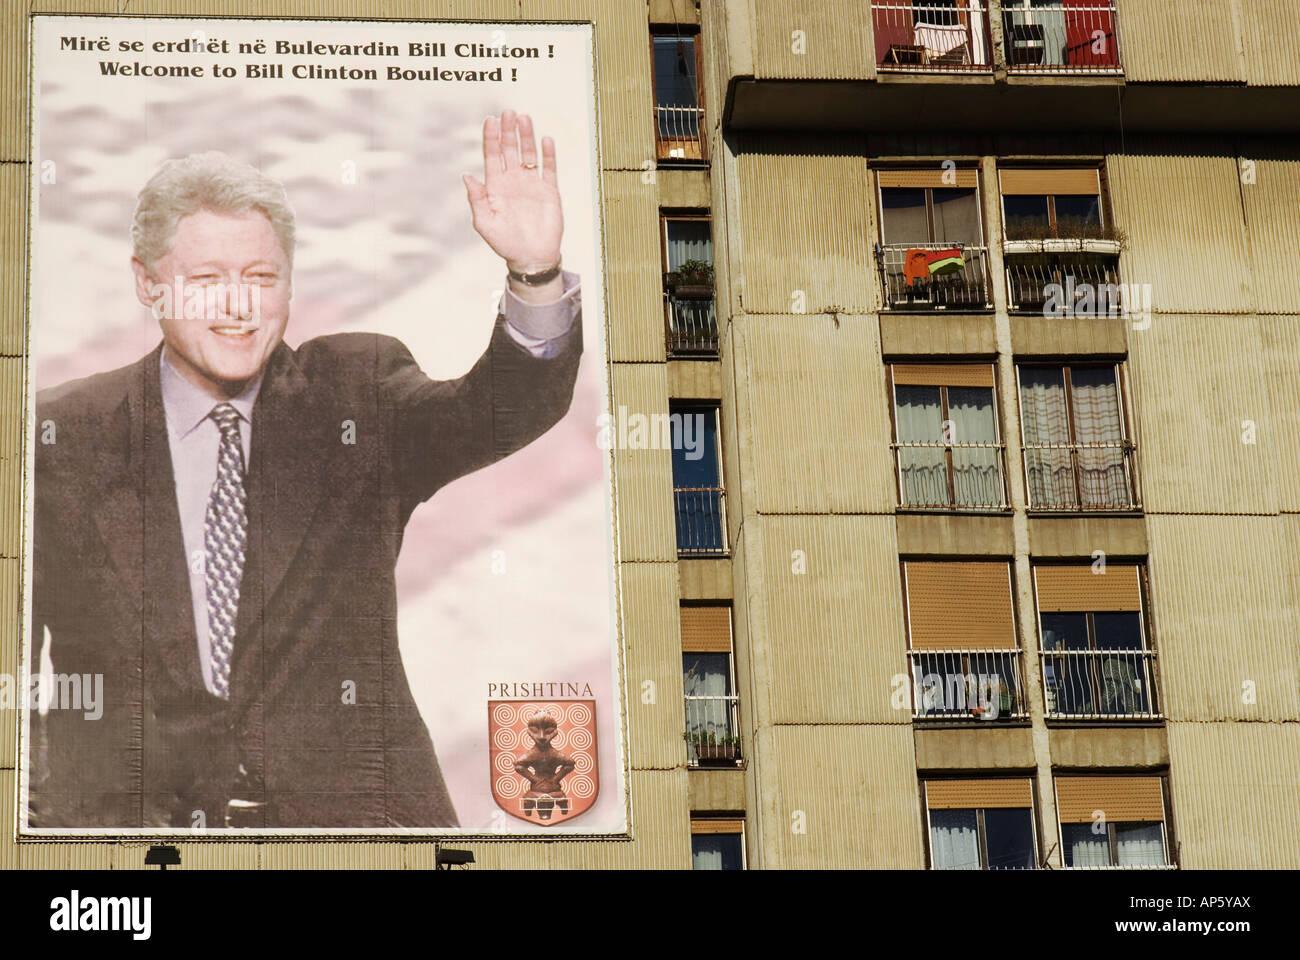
[(992, 557)]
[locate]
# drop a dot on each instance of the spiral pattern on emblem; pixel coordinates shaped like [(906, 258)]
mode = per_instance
[(503, 714), (505, 738), (504, 763), (580, 787), (579, 739), (579, 714), (508, 787), (582, 763)]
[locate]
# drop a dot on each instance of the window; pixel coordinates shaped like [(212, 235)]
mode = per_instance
[(931, 251), (1060, 35), (946, 441), (1063, 205), (675, 61), (1038, 203), (697, 480), (717, 844), (692, 326), (961, 640), (1097, 662), (1077, 453), (712, 718), (1112, 821), (985, 824)]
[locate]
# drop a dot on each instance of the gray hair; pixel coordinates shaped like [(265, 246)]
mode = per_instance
[(210, 181)]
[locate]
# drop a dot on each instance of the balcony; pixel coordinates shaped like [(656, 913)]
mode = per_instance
[(713, 731), (950, 37), (690, 318), (947, 476), (1079, 476), (1049, 276), (920, 277), (677, 133), (1099, 684), (966, 685), (1066, 37), (701, 521)]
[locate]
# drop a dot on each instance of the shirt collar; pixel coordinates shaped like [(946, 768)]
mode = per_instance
[(187, 406)]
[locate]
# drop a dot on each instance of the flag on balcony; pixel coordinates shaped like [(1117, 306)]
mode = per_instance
[(945, 261), (921, 264)]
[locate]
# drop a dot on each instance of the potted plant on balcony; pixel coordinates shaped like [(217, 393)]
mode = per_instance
[(710, 746), (692, 280)]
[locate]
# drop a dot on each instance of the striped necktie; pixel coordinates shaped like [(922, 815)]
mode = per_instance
[(225, 532)]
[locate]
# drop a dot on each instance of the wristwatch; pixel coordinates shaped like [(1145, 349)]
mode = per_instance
[(536, 279)]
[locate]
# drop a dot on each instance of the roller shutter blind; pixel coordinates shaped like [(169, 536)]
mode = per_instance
[(1050, 181), (971, 794), (959, 606), (706, 629), (1079, 590), (927, 178), (943, 374), (1121, 799)]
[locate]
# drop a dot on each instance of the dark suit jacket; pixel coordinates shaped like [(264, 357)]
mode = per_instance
[(318, 602)]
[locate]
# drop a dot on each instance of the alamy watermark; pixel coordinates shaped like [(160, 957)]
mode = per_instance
[(53, 691), (652, 431)]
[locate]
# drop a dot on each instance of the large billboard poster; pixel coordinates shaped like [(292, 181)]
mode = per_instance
[(319, 537)]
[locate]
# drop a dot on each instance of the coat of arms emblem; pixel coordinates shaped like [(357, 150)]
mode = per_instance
[(543, 757)]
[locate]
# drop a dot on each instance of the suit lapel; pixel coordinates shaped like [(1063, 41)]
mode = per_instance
[(140, 522)]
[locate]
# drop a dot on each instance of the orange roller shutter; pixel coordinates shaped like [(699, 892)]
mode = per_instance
[(969, 794), (717, 826), (930, 177), (706, 629), (959, 606), (1079, 181), (1079, 590), (943, 374), (1121, 799)]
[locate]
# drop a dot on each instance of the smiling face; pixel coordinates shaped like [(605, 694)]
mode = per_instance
[(232, 264)]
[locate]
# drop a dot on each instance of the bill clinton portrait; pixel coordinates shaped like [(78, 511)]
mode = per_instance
[(216, 525)]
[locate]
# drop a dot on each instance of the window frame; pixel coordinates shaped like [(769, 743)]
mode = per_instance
[(1035, 827), (732, 677), (684, 405), (1155, 712), (737, 817), (929, 207), (685, 215), (1129, 448), (1020, 708), (1103, 193), (1112, 835), (998, 439), (677, 31)]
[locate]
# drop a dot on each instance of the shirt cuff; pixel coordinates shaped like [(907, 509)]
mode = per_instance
[(537, 326)]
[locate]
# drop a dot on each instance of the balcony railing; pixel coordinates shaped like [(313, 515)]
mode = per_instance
[(966, 684), (692, 325), (905, 289), (701, 520), (1081, 476), (1072, 38), (933, 38), (1051, 281), (677, 132), (1100, 684), (713, 731), (948, 476)]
